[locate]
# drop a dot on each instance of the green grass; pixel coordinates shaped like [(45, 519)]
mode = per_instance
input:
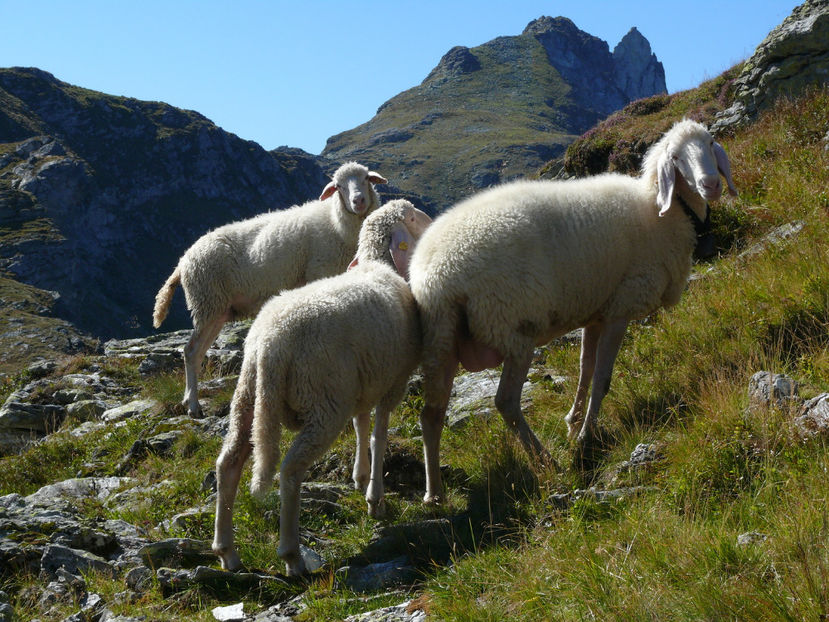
[(670, 553), (681, 381)]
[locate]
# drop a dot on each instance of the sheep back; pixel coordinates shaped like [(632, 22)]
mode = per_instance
[(338, 344), (540, 258), (243, 263)]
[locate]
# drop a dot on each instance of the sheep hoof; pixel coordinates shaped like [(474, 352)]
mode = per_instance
[(361, 483), (295, 569), (573, 427), (432, 499), (376, 509), (229, 558), (195, 412)]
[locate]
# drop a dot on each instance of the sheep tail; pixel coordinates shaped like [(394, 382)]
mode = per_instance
[(164, 297), (267, 432)]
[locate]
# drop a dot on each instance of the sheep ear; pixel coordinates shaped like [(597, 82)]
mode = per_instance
[(376, 178), (401, 247), (353, 264), (665, 178), (724, 167), (328, 191)]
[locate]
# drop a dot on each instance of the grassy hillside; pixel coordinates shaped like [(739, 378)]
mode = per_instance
[(681, 383), (669, 553), (618, 142), (472, 126)]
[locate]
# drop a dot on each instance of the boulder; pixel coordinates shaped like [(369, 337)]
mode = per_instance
[(792, 57), (768, 390)]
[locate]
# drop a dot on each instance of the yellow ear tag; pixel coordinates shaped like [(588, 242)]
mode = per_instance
[(403, 246)]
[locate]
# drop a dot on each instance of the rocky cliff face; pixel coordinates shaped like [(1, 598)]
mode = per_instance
[(638, 73), (99, 195), (501, 109), (791, 57)]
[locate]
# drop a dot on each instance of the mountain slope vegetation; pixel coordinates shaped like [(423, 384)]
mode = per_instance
[(672, 550)]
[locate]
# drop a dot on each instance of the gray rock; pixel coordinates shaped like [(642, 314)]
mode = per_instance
[(473, 394), (24, 418), (75, 561), (18, 558), (6, 612), (192, 517), (813, 419), (230, 613), (751, 537), (139, 579), (108, 616), (395, 613), (175, 580), (776, 237), (769, 390), (177, 552), (129, 410), (41, 369), (791, 57), (313, 560), (70, 396), (99, 488), (378, 576), (86, 410)]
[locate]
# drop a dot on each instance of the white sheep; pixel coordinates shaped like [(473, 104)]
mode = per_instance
[(517, 265), (230, 272), (315, 357)]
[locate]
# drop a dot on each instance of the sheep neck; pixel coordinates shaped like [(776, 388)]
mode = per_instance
[(705, 239)]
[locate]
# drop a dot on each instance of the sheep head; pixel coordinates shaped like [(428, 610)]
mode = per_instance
[(353, 182), (688, 149), (393, 230)]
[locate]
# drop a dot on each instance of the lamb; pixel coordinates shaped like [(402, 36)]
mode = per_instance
[(517, 265), (315, 357), (230, 272)]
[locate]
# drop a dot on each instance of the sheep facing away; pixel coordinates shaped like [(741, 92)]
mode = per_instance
[(230, 272), (517, 265), (315, 357)]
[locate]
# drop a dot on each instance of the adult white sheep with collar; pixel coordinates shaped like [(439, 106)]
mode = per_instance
[(314, 358), (230, 272), (517, 265)]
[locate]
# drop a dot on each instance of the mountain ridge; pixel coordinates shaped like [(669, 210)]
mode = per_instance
[(501, 109)]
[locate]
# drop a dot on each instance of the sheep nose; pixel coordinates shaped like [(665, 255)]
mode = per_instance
[(358, 203), (712, 186)]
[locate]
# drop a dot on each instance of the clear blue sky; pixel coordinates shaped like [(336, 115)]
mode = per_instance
[(296, 72)]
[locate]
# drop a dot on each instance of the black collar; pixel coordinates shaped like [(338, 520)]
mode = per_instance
[(705, 239)]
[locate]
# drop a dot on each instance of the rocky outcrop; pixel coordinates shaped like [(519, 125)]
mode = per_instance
[(93, 185), (792, 57), (638, 72), (603, 82)]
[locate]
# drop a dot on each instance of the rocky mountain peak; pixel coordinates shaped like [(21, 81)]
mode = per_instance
[(601, 80), (457, 61), (545, 24), (638, 72)]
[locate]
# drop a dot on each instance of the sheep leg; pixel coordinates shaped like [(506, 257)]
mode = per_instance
[(311, 443), (376, 492), (200, 341), (235, 452), (361, 472), (508, 403), (437, 389), (609, 342), (587, 363)]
